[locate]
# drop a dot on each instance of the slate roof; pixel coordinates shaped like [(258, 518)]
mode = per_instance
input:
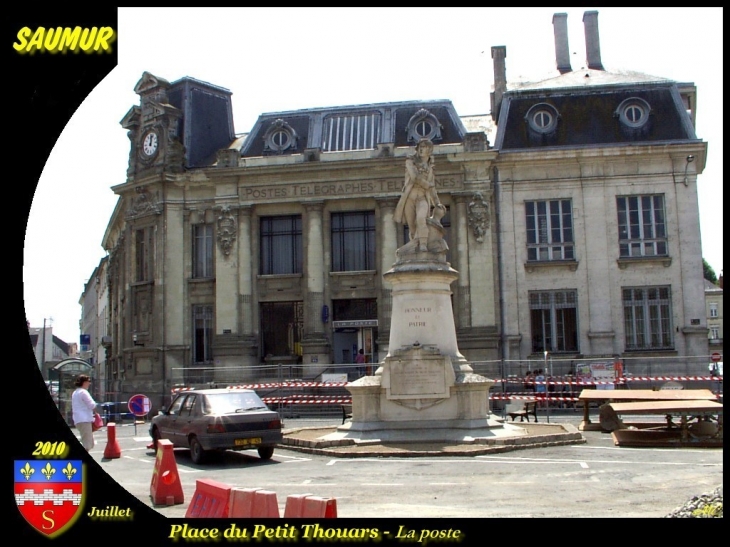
[(310, 125), (586, 102)]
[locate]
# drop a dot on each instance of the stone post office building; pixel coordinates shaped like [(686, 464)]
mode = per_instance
[(573, 222)]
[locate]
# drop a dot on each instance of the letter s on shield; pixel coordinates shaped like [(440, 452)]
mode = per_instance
[(49, 493)]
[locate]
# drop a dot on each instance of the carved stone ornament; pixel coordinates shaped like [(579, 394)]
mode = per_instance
[(226, 230), (144, 203), (479, 216)]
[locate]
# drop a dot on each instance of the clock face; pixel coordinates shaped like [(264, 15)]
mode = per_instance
[(150, 143)]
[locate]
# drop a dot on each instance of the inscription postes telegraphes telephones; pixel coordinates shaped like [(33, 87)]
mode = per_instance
[(321, 190)]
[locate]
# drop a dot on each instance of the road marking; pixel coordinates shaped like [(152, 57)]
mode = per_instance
[(513, 460), (381, 484), (137, 449), (307, 484), (629, 449), (532, 461), (400, 460), (293, 459), (139, 459)]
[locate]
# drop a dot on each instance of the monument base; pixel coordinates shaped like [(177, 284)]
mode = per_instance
[(460, 416)]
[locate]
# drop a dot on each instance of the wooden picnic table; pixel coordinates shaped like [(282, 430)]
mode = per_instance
[(686, 410), (603, 396)]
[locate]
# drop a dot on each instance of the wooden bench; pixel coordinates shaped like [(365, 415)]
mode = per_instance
[(521, 409), (346, 413)]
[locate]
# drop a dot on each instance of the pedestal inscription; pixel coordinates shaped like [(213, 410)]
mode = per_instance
[(418, 373), (419, 314), (422, 379)]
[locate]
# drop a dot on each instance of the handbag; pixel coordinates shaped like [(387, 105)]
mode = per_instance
[(98, 423)]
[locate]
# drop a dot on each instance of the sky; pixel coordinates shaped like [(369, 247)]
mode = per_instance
[(278, 59)]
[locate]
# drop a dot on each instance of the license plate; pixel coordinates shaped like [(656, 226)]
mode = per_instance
[(247, 442)]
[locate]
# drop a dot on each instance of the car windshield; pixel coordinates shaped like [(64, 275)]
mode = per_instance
[(225, 403)]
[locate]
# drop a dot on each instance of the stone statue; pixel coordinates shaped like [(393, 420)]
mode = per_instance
[(419, 195)]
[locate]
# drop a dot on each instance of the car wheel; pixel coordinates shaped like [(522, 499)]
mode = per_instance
[(155, 438), (265, 452), (197, 454)]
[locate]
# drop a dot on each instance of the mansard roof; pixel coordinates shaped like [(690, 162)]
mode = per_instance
[(586, 104), (354, 127)]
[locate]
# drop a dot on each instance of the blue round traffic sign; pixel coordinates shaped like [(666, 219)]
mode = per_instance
[(139, 405)]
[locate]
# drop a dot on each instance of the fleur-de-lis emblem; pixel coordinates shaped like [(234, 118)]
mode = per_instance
[(69, 471), (27, 471), (48, 471)]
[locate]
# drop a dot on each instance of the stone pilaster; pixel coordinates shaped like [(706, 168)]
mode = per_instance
[(245, 274)]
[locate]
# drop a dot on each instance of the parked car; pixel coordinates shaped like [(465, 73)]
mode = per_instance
[(218, 419)]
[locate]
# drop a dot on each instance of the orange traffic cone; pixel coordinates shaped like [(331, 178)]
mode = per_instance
[(112, 449)]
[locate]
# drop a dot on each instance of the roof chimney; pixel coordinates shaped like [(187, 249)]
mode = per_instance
[(562, 53), (499, 54), (593, 46)]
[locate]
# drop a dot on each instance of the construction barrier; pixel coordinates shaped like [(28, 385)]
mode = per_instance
[(210, 500), (252, 503), (165, 487), (112, 449), (309, 506)]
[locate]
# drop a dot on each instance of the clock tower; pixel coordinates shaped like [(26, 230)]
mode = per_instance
[(153, 130)]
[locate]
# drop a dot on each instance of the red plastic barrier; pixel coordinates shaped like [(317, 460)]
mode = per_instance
[(309, 506), (253, 503), (112, 449), (295, 505), (210, 500), (165, 487)]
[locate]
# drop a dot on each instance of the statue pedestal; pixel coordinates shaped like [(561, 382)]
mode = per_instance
[(424, 390)]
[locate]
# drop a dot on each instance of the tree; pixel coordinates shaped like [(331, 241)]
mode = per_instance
[(708, 272)]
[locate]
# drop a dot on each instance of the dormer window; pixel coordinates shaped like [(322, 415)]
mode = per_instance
[(633, 113), (423, 125), (542, 118), (280, 137)]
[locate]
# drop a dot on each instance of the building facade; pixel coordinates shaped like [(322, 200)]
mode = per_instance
[(713, 301), (94, 325), (49, 349), (572, 219)]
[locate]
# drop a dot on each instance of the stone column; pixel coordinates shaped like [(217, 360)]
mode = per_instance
[(461, 236), (315, 346), (388, 244)]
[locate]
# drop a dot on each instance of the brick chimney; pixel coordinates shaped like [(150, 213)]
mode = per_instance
[(499, 54), (562, 52), (593, 46)]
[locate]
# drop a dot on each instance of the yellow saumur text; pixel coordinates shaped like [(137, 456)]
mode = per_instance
[(63, 39)]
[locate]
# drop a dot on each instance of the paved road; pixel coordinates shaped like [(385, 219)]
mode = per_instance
[(595, 479)]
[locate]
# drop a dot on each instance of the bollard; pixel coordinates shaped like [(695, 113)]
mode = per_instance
[(112, 449)]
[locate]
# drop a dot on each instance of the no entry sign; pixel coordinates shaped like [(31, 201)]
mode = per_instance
[(716, 357)]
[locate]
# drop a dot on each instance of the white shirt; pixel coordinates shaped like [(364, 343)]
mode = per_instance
[(83, 406)]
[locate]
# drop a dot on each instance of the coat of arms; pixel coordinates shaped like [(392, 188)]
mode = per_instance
[(49, 493)]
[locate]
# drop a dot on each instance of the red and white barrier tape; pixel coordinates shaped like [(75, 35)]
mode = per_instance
[(618, 381)]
